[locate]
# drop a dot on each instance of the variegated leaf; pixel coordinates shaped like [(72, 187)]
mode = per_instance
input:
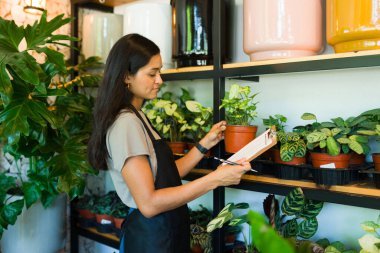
[(293, 202), (307, 228)]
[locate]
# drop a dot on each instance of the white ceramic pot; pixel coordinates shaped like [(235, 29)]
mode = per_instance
[(100, 31), (152, 19), (276, 29), (37, 229)]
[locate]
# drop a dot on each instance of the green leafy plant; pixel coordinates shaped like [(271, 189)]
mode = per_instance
[(119, 209), (334, 247), (226, 217), (104, 204), (168, 117), (51, 133), (338, 136), (277, 120), (198, 234), (199, 120), (239, 105), (298, 214), (291, 145), (370, 242)]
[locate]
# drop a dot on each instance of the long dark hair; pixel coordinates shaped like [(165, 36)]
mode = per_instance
[(127, 56)]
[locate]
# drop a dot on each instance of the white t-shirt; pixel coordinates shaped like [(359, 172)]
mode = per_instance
[(127, 137)]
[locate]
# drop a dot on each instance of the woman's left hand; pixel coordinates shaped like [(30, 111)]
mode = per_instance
[(215, 135)]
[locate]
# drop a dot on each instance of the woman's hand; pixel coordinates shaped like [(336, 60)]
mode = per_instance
[(231, 174), (215, 135)]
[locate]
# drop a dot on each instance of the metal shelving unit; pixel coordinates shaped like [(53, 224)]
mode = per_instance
[(219, 72)]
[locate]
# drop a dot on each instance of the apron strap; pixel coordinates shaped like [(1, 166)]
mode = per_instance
[(152, 138)]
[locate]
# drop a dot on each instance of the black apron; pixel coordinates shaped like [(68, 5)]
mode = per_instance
[(168, 232)]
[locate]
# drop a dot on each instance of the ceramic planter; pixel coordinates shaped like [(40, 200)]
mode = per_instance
[(37, 229), (339, 161), (236, 137), (276, 29), (353, 25), (152, 19), (100, 32)]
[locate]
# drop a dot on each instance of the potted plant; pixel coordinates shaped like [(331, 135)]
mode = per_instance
[(291, 147), (51, 134), (200, 240), (103, 209), (227, 219), (370, 242), (85, 206), (199, 120), (240, 111), (297, 216), (169, 119), (333, 142), (119, 213)]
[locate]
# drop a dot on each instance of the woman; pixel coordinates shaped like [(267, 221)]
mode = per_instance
[(142, 167)]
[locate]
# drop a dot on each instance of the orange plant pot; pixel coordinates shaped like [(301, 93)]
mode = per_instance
[(357, 159), (86, 214), (236, 137), (294, 161), (177, 147), (376, 160), (341, 161), (118, 222)]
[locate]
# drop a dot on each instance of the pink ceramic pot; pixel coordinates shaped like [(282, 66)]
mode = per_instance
[(276, 29)]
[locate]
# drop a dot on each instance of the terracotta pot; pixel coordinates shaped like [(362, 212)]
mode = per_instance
[(352, 25), (229, 239), (341, 161), (177, 147), (275, 29), (357, 159), (196, 248), (294, 161), (376, 160), (236, 137), (117, 222), (103, 218), (86, 214)]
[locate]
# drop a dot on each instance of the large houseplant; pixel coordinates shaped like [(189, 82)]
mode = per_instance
[(240, 109), (51, 133)]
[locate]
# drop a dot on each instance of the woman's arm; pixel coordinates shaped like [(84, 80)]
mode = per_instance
[(188, 162), (139, 179)]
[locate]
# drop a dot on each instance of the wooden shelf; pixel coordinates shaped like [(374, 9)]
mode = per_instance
[(247, 70), (104, 238), (108, 3), (363, 194)]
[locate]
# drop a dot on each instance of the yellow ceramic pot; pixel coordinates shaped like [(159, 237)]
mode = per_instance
[(353, 25)]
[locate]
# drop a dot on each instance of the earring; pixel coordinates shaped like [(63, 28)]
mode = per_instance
[(128, 85)]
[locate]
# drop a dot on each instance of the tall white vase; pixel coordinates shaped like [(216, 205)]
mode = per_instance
[(152, 19), (276, 29), (37, 229), (100, 31)]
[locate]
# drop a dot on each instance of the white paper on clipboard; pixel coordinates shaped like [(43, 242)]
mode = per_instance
[(256, 147)]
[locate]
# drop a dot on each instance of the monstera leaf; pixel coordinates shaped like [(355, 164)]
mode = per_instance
[(43, 117)]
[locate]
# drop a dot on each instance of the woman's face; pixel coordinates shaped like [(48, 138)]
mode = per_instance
[(146, 83)]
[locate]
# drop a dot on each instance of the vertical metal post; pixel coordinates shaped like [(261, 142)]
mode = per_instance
[(218, 46)]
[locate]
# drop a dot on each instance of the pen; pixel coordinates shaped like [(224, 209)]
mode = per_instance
[(229, 162)]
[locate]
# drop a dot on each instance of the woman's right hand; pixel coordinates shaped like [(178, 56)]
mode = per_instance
[(231, 174)]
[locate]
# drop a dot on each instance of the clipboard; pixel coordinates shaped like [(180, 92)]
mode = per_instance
[(257, 146)]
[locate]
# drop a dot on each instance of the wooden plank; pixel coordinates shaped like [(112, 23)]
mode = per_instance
[(186, 69), (303, 59), (105, 235), (357, 188), (109, 3)]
